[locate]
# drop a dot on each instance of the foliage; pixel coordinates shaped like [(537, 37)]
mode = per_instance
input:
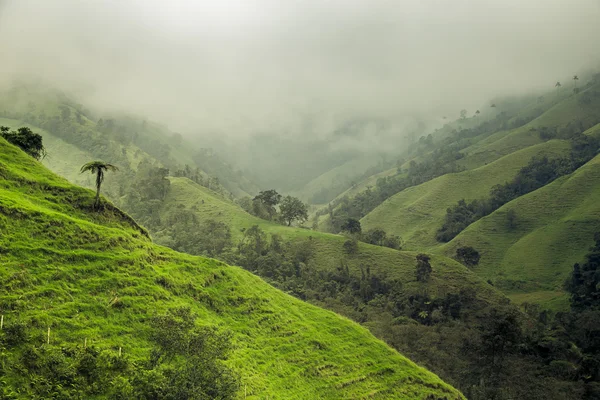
[(292, 209), (423, 268), (468, 256), (379, 237), (584, 284), (351, 246), (98, 168), (265, 202), (351, 226), (29, 142)]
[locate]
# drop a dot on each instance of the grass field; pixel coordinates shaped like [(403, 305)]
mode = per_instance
[(96, 276)]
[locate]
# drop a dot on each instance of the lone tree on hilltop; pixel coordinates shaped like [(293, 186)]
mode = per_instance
[(264, 203), (575, 79), (98, 168), (293, 209), (557, 86)]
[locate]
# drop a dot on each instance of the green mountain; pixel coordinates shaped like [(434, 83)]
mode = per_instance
[(73, 276)]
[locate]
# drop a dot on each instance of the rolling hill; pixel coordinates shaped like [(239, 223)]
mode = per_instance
[(554, 229), (96, 276), (417, 212)]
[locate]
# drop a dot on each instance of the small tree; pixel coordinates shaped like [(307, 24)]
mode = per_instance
[(266, 200), (557, 86), (468, 256), (423, 269), (352, 226), (29, 142), (293, 209), (98, 168), (463, 114), (477, 112), (376, 236), (351, 246)]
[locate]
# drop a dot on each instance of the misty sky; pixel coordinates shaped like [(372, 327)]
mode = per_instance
[(236, 67)]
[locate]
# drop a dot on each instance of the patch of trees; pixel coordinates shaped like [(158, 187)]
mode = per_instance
[(28, 141), (468, 256), (272, 206), (539, 172), (376, 236)]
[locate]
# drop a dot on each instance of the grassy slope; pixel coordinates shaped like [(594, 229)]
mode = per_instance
[(449, 275), (417, 212), (66, 267), (555, 228)]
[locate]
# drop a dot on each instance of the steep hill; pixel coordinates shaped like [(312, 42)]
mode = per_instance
[(96, 277)]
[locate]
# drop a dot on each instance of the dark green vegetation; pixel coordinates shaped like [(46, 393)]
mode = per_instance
[(128, 318), (29, 142)]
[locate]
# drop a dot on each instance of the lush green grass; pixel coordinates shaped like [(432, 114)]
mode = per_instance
[(555, 227), (96, 276), (418, 212)]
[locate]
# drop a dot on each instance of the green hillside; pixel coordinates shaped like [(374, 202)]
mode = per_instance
[(95, 276), (417, 212), (554, 229)]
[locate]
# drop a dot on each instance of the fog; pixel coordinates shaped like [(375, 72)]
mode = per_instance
[(232, 69), (238, 67)]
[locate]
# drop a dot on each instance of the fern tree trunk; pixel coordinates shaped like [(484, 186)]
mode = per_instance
[(99, 179)]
